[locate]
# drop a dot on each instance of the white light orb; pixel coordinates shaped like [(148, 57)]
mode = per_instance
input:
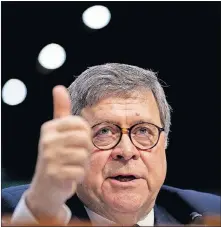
[(96, 17), (14, 92), (52, 56)]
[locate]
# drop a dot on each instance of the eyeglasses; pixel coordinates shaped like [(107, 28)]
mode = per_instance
[(143, 135)]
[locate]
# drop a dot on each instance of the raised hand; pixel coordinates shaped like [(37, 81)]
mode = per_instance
[(64, 149)]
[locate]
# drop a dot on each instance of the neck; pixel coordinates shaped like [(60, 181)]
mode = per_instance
[(123, 218)]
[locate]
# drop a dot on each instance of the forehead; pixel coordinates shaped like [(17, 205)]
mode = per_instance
[(124, 111)]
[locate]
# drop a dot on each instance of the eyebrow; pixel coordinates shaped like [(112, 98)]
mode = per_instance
[(118, 123)]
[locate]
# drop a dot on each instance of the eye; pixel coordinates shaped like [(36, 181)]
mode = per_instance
[(104, 131), (143, 131)]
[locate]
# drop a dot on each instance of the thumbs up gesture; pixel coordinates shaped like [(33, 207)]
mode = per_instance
[(64, 148)]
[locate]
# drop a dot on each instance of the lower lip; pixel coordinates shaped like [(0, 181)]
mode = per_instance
[(123, 183)]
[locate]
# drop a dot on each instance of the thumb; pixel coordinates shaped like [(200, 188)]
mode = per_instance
[(61, 102)]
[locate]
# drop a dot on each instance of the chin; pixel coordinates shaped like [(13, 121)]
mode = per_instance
[(125, 202)]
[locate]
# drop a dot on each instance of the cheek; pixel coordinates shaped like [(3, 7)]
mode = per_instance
[(95, 170), (156, 157), (89, 190), (156, 166), (155, 161)]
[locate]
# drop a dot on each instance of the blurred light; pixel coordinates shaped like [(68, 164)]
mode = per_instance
[(14, 92), (96, 17), (52, 56)]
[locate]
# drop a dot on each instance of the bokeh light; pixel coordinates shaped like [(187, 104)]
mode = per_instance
[(14, 92), (52, 56), (96, 17)]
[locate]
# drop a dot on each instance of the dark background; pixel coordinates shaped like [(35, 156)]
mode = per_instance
[(180, 40)]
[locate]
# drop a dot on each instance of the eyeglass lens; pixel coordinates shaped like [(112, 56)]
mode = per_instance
[(143, 136)]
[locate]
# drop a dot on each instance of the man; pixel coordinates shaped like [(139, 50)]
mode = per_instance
[(102, 158)]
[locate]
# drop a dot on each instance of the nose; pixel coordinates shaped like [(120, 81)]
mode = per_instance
[(125, 150)]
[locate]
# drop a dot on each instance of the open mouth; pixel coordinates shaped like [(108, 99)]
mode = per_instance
[(122, 178)]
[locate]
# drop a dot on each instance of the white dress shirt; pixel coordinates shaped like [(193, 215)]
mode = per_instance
[(22, 214), (98, 220)]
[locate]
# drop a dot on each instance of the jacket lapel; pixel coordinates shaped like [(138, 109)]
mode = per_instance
[(162, 217), (77, 209)]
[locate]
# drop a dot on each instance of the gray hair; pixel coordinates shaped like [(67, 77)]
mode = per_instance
[(114, 79)]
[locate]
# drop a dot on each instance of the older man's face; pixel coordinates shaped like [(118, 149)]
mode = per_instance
[(98, 190)]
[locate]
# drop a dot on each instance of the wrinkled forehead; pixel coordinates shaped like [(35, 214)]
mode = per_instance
[(124, 110)]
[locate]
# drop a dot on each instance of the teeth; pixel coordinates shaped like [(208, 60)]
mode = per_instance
[(124, 178)]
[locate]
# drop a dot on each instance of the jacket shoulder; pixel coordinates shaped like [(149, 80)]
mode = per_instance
[(11, 197), (201, 202)]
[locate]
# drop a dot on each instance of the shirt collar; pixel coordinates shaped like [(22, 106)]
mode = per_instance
[(96, 219)]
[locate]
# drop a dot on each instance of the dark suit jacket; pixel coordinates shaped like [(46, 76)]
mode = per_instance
[(173, 205)]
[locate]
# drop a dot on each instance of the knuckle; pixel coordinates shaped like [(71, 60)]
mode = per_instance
[(82, 138), (85, 154), (63, 155), (82, 158), (71, 136), (80, 173), (81, 122), (47, 157), (45, 126), (69, 119), (77, 172), (52, 172), (46, 142), (75, 138), (49, 140), (85, 136)]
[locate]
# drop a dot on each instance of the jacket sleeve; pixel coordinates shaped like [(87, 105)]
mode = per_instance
[(14, 205), (11, 197)]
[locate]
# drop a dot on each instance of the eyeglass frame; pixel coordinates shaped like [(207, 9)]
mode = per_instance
[(128, 132)]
